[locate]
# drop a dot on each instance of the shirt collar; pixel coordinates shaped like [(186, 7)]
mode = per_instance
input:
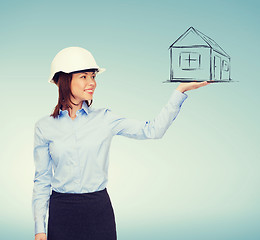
[(83, 108)]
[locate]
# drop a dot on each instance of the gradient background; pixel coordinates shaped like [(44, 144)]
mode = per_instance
[(201, 180)]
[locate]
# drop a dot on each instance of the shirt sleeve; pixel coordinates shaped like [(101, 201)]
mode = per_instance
[(153, 129), (42, 180)]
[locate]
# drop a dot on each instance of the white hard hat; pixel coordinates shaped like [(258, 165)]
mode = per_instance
[(73, 59)]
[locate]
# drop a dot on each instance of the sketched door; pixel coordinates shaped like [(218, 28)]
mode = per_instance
[(217, 68)]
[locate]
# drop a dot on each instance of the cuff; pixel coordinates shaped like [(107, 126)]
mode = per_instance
[(177, 97), (182, 93), (40, 227)]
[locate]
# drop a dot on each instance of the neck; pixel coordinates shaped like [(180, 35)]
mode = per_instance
[(72, 111)]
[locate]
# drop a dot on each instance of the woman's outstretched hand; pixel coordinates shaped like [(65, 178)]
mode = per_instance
[(183, 87)]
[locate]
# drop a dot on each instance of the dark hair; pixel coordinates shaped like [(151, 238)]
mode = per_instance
[(63, 81)]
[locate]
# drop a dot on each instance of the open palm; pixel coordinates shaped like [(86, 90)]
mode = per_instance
[(183, 87)]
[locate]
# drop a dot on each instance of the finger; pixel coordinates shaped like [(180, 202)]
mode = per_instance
[(202, 84), (206, 83)]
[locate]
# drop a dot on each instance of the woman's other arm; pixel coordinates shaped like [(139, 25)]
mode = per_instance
[(42, 182)]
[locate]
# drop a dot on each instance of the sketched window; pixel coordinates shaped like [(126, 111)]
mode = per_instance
[(189, 60), (225, 66)]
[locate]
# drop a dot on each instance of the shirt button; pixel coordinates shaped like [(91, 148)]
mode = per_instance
[(70, 162)]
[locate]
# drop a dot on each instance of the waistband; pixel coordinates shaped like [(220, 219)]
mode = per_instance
[(78, 195)]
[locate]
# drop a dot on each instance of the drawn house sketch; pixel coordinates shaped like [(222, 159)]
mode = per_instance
[(195, 56)]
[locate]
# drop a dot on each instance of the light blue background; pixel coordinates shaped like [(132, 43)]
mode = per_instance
[(201, 180)]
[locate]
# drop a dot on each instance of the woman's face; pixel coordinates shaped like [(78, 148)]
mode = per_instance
[(83, 85)]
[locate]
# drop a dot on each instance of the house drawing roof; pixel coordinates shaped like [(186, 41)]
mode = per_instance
[(192, 38)]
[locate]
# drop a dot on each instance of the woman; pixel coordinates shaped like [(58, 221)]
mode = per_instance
[(71, 148)]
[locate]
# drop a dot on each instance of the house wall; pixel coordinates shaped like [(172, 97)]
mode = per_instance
[(181, 67), (224, 71)]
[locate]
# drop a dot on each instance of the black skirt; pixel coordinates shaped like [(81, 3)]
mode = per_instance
[(81, 216)]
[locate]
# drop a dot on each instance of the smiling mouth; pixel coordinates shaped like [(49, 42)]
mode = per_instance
[(89, 91)]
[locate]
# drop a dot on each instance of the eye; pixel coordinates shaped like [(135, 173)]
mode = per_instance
[(83, 77)]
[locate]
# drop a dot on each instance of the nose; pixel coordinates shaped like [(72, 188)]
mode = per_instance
[(92, 83)]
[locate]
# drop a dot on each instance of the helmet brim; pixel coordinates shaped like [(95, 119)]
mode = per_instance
[(100, 70)]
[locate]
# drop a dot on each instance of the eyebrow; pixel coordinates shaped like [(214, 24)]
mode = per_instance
[(88, 72)]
